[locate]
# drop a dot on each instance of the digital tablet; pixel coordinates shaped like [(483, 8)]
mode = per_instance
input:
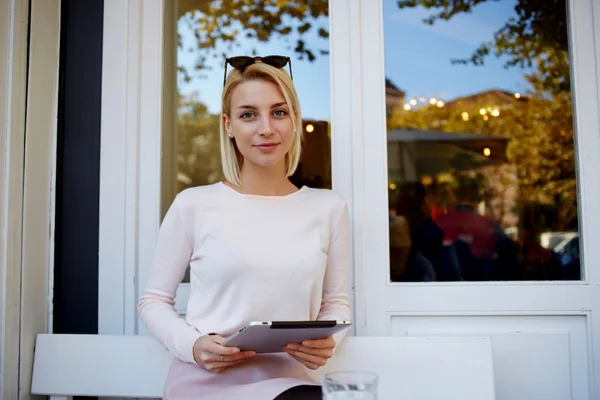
[(272, 336)]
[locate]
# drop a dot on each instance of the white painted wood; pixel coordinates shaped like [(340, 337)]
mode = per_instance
[(585, 18), (100, 365), (117, 43), (135, 366), (150, 142), (559, 343), (420, 368), (562, 301), (13, 85), (40, 137), (130, 157), (475, 306), (345, 117)]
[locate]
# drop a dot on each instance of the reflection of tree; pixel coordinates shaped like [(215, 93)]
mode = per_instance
[(541, 147), (199, 158), (226, 22), (537, 36), (540, 124)]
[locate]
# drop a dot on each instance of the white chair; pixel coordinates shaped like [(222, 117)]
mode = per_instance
[(137, 366)]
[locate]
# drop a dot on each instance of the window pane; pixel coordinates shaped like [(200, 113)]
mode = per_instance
[(481, 157), (199, 35)]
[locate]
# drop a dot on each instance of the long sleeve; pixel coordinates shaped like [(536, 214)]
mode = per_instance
[(335, 304), (156, 307)]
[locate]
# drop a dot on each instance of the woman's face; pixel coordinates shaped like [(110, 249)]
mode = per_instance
[(260, 122)]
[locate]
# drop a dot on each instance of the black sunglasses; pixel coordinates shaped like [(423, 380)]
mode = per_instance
[(243, 62)]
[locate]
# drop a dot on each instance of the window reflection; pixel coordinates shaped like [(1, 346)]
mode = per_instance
[(199, 34), (481, 157)]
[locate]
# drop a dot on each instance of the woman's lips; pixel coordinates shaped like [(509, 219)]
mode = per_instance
[(267, 146)]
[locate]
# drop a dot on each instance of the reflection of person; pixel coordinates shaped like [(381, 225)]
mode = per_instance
[(484, 250), (258, 248)]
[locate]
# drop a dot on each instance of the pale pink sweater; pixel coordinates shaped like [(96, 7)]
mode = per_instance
[(252, 258)]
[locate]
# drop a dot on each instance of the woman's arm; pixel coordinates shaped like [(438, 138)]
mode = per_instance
[(156, 307), (335, 304)]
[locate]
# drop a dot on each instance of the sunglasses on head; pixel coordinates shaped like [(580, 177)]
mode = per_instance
[(243, 62)]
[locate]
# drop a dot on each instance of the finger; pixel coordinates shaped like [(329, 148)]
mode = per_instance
[(327, 343), (326, 353), (216, 348), (223, 365), (244, 355), (307, 363), (317, 360)]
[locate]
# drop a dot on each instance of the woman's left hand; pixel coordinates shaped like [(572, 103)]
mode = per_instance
[(312, 353)]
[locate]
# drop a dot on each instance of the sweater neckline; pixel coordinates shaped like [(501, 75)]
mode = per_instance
[(260, 196)]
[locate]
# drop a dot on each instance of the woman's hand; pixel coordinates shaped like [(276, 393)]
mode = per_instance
[(210, 355), (312, 353)]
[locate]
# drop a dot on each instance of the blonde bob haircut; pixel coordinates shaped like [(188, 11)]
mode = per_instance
[(231, 158)]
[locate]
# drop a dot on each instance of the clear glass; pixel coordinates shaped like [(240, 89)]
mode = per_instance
[(199, 34), (350, 385), (482, 181)]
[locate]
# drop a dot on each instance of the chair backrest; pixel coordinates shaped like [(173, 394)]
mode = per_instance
[(420, 368), (99, 365), (137, 366)]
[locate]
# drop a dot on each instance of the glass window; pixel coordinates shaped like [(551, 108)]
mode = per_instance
[(199, 35), (481, 156)]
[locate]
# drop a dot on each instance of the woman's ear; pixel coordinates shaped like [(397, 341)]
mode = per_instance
[(227, 124)]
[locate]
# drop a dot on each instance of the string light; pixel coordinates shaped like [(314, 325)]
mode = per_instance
[(413, 102), (517, 95), (465, 116), (440, 103), (482, 111), (487, 152), (407, 107), (495, 112), (485, 117), (310, 128), (432, 101)]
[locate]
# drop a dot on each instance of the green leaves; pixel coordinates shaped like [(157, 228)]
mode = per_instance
[(227, 22)]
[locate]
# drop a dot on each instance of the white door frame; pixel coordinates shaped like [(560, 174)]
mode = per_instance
[(130, 157), (28, 110), (13, 85), (131, 144), (385, 299)]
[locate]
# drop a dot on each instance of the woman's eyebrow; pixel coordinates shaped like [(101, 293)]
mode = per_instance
[(250, 107)]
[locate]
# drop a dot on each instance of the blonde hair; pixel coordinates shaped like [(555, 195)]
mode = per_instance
[(231, 158)]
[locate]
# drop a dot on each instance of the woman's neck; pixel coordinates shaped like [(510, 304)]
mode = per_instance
[(265, 181)]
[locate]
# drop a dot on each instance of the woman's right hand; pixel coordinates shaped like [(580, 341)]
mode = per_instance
[(210, 355)]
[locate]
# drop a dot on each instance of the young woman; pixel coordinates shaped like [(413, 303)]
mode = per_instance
[(258, 247)]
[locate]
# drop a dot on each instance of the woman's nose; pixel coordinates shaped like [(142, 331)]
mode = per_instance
[(266, 127)]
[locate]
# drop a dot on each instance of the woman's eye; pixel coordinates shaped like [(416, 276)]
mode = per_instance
[(246, 115), (280, 113)]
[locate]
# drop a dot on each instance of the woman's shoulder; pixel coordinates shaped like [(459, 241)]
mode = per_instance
[(198, 196), (328, 198)]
